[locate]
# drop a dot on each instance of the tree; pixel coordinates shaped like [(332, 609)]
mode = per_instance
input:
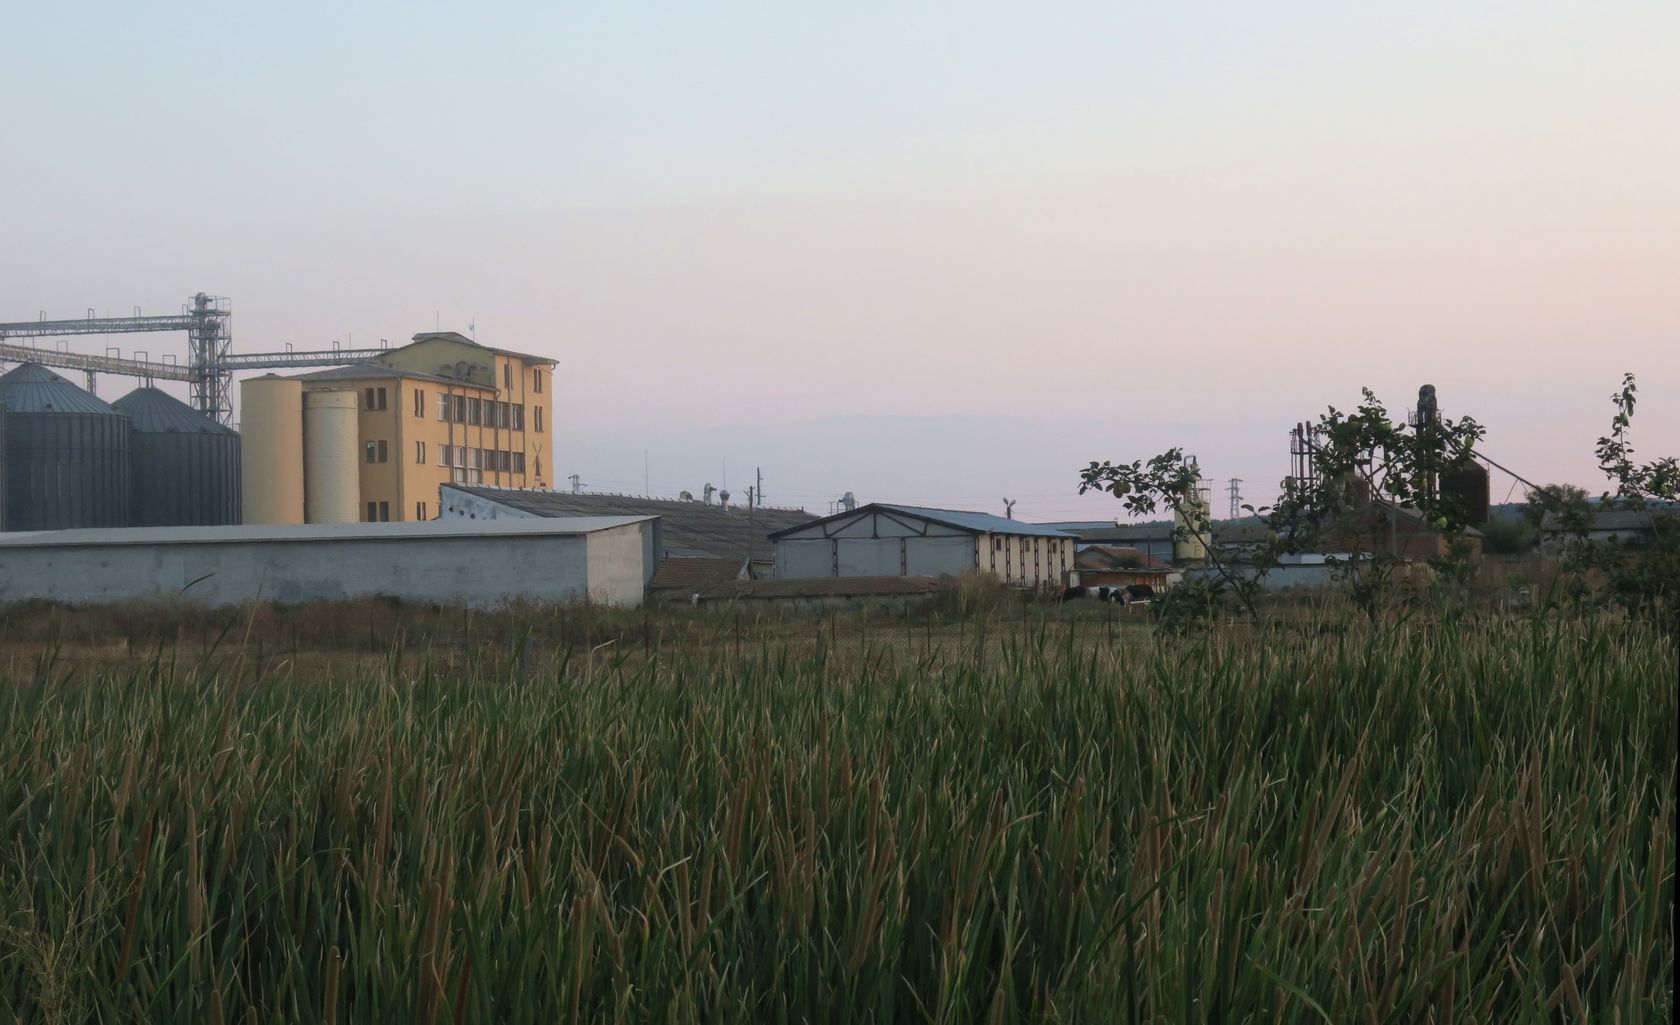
[(1644, 580), (1569, 502), (1371, 474), (1510, 535)]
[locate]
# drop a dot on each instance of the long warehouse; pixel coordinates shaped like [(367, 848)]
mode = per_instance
[(606, 560)]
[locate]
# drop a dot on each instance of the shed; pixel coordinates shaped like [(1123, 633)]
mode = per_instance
[(880, 539)]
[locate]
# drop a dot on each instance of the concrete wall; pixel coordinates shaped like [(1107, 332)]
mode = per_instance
[(622, 561), (604, 566), (1027, 561), (1281, 578), (459, 505)]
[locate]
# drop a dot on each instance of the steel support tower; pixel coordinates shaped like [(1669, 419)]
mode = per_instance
[(210, 364)]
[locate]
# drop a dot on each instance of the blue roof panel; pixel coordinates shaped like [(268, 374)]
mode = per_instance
[(975, 521)]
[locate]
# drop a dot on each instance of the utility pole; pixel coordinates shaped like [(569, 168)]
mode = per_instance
[(754, 497), (1236, 497)]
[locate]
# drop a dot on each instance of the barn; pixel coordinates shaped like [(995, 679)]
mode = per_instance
[(904, 540)]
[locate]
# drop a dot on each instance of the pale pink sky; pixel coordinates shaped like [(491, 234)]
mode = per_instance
[(941, 257)]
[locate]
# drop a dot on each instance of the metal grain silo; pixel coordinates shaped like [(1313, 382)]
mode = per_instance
[(271, 449), (332, 484), (185, 465), (66, 461)]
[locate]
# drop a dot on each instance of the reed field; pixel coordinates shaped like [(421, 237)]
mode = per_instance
[(1034, 814)]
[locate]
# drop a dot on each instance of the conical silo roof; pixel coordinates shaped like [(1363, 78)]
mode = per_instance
[(32, 388), (154, 411)]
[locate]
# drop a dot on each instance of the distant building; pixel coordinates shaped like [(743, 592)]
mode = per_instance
[(1112, 566), (900, 540), (442, 409), (1626, 526), (697, 543), (1394, 530), (1152, 539)]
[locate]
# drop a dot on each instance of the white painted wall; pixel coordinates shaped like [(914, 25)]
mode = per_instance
[(460, 505), (604, 566)]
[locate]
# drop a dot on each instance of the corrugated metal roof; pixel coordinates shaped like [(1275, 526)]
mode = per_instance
[(1631, 520), (689, 529), (153, 411), (1101, 533), (974, 522), (319, 532), (32, 388)]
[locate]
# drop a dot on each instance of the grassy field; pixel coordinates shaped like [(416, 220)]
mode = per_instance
[(374, 814)]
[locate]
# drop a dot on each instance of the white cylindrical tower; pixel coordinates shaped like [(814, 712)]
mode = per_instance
[(271, 449), (332, 490)]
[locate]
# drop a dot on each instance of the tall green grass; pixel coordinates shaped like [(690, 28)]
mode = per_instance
[(1043, 820)]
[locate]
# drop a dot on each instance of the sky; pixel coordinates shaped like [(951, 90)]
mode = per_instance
[(936, 253)]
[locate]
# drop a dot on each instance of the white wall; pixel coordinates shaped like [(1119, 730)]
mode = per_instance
[(886, 544), (603, 566), (459, 505), (620, 563)]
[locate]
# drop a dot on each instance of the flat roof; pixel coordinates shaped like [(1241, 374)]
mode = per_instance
[(568, 525), (378, 372)]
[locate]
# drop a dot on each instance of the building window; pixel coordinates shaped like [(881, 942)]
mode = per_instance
[(443, 407), (474, 411), (419, 403), (536, 419), (420, 511), (519, 462), (420, 452), (372, 450), (519, 418), (507, 375), (367, 398), (458, 409), (384, 453), (384, 512), (536, 380), (373, 512), (373, 398), (443, 454)]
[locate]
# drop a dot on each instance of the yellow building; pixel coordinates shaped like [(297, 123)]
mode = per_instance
[(445, 409)]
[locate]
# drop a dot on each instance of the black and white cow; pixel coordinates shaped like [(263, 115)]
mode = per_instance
[(1125, 595)]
